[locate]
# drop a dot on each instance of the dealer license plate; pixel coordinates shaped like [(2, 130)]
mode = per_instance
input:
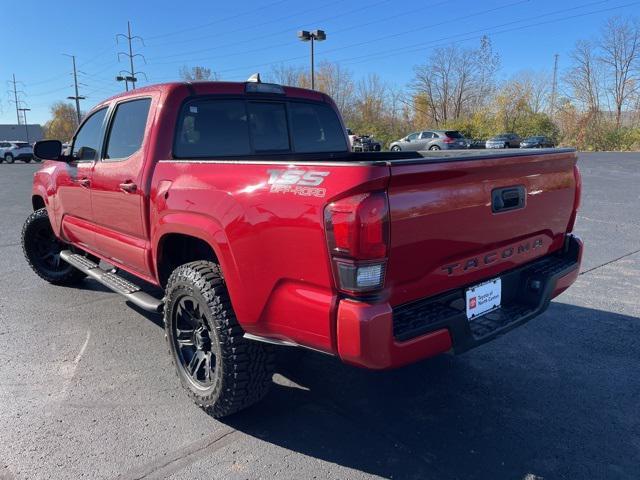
[(483, 298)]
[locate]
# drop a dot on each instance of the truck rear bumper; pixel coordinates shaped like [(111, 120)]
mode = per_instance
[(377, 336)]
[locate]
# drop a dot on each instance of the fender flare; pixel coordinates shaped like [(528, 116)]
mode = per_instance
[(208, 230)]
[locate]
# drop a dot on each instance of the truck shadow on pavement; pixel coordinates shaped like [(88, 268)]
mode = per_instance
[(555, 398)]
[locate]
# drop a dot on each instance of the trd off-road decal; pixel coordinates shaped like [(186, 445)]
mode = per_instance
[(305, 183)]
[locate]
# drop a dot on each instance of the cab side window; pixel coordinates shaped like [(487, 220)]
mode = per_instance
[(127, 128), (87, 141)]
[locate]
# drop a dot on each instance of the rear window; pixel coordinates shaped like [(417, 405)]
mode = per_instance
[(234, 127), (316, 128), (453, 134), (268, 127)]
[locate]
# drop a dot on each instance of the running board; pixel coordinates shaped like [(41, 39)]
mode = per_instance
[(129, 290)]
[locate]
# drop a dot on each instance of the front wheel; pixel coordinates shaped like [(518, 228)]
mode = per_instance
[(42, 250), (221, 370), (9, 158), (395, 148)]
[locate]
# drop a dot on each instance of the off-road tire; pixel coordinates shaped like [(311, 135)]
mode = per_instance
[(243, 368), (37, 225)]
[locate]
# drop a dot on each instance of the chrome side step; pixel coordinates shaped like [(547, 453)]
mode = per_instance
[(129, 290)]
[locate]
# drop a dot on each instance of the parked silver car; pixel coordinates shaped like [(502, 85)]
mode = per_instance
[(430, 140)]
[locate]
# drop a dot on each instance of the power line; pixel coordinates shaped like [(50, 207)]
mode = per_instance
[(421, 45), (220, 20), (258, 38), (131, 55)]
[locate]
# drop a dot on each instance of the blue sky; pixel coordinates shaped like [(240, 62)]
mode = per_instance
[(239, 38)]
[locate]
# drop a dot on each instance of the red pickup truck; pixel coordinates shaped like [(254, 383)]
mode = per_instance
[(243, 202)]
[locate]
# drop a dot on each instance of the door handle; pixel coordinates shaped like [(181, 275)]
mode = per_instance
[(128, 187), (505, 199), (84, 182)]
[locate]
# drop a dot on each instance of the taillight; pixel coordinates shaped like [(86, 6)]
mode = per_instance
[(358, 239), (576, 203), (449, 140)]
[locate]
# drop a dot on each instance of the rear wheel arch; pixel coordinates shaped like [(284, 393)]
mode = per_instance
[(175, 249), (37, 202)]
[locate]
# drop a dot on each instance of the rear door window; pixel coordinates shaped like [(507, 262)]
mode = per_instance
[(127, 128)]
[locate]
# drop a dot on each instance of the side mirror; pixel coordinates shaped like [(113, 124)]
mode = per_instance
[(48, 150)]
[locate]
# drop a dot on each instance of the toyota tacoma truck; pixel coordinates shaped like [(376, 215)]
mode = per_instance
[(244, 204)]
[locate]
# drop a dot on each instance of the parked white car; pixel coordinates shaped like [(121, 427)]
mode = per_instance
[(12, 150)]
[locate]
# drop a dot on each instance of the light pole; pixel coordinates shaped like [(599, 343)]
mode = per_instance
[(126, 79), (26, 125), (316, 35)]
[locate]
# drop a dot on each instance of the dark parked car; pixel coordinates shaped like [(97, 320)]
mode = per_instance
[(504, 140), (537, 142), (476, 143), (430, 140), (365, 143)]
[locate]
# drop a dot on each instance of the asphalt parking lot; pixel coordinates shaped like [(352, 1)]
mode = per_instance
[(87, 388)]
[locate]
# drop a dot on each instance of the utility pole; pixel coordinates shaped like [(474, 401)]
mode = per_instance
[(15, 96), (77, 96), (554, 87), (26, 125), (132, 73)]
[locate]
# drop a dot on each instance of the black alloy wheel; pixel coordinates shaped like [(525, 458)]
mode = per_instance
[(194, 342)]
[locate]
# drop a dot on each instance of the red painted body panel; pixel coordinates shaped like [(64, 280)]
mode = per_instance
[(272, 246), (441, 216)]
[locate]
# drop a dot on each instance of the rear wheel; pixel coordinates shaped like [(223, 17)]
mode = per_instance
[(221, 370), (434, 147), (8, 158), (27, 160), (42, 250)]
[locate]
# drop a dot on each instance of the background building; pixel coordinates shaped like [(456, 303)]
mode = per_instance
[(19, 132)]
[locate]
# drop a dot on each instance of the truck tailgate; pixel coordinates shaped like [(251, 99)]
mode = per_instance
[(446, 232)]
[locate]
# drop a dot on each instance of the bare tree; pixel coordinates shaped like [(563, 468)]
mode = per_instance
[(454, 81), (584, 77), (197, 73), (292, 76), (620, 55), (337, 82)]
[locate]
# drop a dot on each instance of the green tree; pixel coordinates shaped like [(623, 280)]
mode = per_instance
[(63, 123)]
